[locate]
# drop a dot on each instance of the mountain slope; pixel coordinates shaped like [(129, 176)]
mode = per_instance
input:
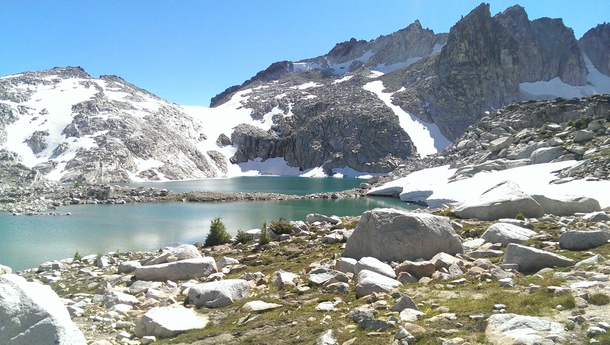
[(72, 127)]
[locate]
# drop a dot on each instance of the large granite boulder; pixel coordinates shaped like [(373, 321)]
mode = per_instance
[(504, 200), (582, 240), (178, 270), (518, 329), (566, 205), (167, 322), (505, 233), (397, 235), (218, 293), (31, 313), (532, 260)]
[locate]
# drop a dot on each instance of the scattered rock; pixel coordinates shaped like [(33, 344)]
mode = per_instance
[(178, 270), (219, 293)]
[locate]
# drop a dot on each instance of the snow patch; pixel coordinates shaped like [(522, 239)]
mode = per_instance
[(432, 185), (426, 137), (346, 78), (390, 68)]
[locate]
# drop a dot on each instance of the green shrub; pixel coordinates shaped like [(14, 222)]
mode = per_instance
[(218, 233), (520, 216), (243, 238), (264, 238), (77, 256), (281, 227)]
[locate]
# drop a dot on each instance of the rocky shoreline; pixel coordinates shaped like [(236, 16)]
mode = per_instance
[(324, 283)]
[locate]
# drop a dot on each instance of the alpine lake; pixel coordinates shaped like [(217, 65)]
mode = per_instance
[(28, 241)]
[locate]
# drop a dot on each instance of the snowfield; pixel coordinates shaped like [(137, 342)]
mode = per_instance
[(433, 187)]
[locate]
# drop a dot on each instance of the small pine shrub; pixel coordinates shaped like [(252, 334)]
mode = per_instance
[(77, 256), (281, 226), (218, 233), (264, 238), (243, 238), (520, 216)]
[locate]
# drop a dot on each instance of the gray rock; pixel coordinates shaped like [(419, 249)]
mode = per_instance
[(500, 144), (226, 261), (582, 240), (532, 260), (219, 293), (179, 270), (505, 233), (418, 269), (369, 282), (376, 325), (112, 298), (31, 313), (128, 266), (283, 279), (397, 235), (546, 154), (600, 216), (583, 135), (323, 275), (168, 322), (181, 252), (345, 265), (405, 302), (504, 200), (566, 205), (362, 313), (374, 265), (518, 329)]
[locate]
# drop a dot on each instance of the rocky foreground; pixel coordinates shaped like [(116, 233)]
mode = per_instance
[(388, 276)]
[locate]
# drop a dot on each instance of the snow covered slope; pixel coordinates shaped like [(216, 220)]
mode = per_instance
[(72, 127)]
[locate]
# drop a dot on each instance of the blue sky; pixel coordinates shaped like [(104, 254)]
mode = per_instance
[(188, 51)]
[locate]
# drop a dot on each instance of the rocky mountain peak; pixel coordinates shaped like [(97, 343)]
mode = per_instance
[(596, 44)]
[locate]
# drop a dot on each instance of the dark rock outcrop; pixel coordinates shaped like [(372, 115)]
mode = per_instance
[(596, 44)]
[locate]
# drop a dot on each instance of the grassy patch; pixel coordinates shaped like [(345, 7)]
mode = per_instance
[(599, 299)]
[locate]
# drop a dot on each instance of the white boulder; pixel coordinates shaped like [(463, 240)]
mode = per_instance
[(178, 270), (505, 233), (372, 264), (167, 322), (504, 200), (181, 252), (518, 329), (31, 313), (369, 282), (218, 293)]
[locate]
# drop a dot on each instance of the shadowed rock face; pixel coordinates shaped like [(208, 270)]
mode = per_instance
[(482, 64), (596, 44)]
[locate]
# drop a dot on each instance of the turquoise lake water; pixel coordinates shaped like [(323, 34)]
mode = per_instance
[(27, 241)]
